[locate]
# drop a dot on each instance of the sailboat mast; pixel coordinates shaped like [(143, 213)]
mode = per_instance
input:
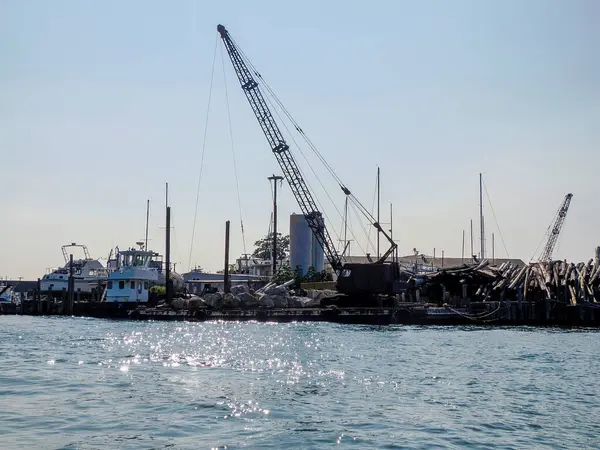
[(147, 218), (481, 217), (472, 249), (462, 256), (378, 210), (395, 255)]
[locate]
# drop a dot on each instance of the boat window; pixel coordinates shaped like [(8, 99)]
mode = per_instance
[(121, 284), (132, 285), (146, 285), (109, 285)]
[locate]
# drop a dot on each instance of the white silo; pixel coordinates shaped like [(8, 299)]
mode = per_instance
[(300, 243)]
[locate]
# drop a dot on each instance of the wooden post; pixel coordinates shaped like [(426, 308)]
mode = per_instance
[(462, 256), (520, 301), (226, 281), (168, 285), (36, 297)]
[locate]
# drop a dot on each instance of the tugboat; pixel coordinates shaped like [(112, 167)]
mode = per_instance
[(137, 270), (88, 273)]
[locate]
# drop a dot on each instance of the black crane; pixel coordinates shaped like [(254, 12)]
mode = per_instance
[(353, 279)]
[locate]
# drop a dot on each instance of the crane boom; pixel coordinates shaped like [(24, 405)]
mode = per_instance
[(281, 150), (558, 223)]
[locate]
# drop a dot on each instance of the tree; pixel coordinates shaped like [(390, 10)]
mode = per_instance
[(264, 247), (284, 274)]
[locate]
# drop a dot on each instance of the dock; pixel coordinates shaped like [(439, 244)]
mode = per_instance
[(492, 313)]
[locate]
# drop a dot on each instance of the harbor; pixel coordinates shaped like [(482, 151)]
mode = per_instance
[(304, 276), (231, 225)]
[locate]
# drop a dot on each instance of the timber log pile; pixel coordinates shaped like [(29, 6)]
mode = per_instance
[(560, 281)]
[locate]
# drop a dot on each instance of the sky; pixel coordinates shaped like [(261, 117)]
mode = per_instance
[(102, 103)]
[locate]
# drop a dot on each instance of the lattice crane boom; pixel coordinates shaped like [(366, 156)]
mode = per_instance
[(554, 233), (281, 150)]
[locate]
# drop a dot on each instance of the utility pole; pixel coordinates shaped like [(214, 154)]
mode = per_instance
[(168, 290), (275, 179), (481, 217)]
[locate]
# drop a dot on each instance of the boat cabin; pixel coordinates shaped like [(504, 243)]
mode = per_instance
[(135, 273)]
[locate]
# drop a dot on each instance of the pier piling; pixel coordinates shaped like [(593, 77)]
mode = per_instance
[(226, 281)]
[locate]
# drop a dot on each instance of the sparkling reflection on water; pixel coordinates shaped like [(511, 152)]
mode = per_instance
[(86, 383)]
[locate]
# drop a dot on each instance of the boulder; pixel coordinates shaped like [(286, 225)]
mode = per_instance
[(231, 301), (248, 300), (179, 303), (266, 301), (303, 302), (196, 302), (239, 289), (318, 295), (280, 301), (214, 300), (276, 290)]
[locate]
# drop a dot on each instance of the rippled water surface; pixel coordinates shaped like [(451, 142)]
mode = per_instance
[(86, 383)]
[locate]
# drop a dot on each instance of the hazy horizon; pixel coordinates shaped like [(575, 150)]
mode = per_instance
[(103, 103)]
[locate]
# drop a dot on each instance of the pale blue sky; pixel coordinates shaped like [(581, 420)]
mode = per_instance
[(101, 103)]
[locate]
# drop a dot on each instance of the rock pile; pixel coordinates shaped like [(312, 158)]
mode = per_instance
[(269, 296)]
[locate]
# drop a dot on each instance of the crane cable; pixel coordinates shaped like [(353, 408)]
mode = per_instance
[(287, 113), (306, 139), (237, 182), (372, 209), (212, 75), (274, 108), (360, 223), (495, 220)]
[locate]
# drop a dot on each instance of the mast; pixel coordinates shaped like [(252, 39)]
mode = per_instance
[(472, 249), (462, 257), (147, 218), (481, 217), (378, 208), (394, 256)]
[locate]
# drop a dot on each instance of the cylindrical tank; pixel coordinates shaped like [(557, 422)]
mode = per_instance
[(300, 243), (317, 256)]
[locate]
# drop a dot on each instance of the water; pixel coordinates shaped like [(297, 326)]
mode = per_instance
[(85, 383)]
